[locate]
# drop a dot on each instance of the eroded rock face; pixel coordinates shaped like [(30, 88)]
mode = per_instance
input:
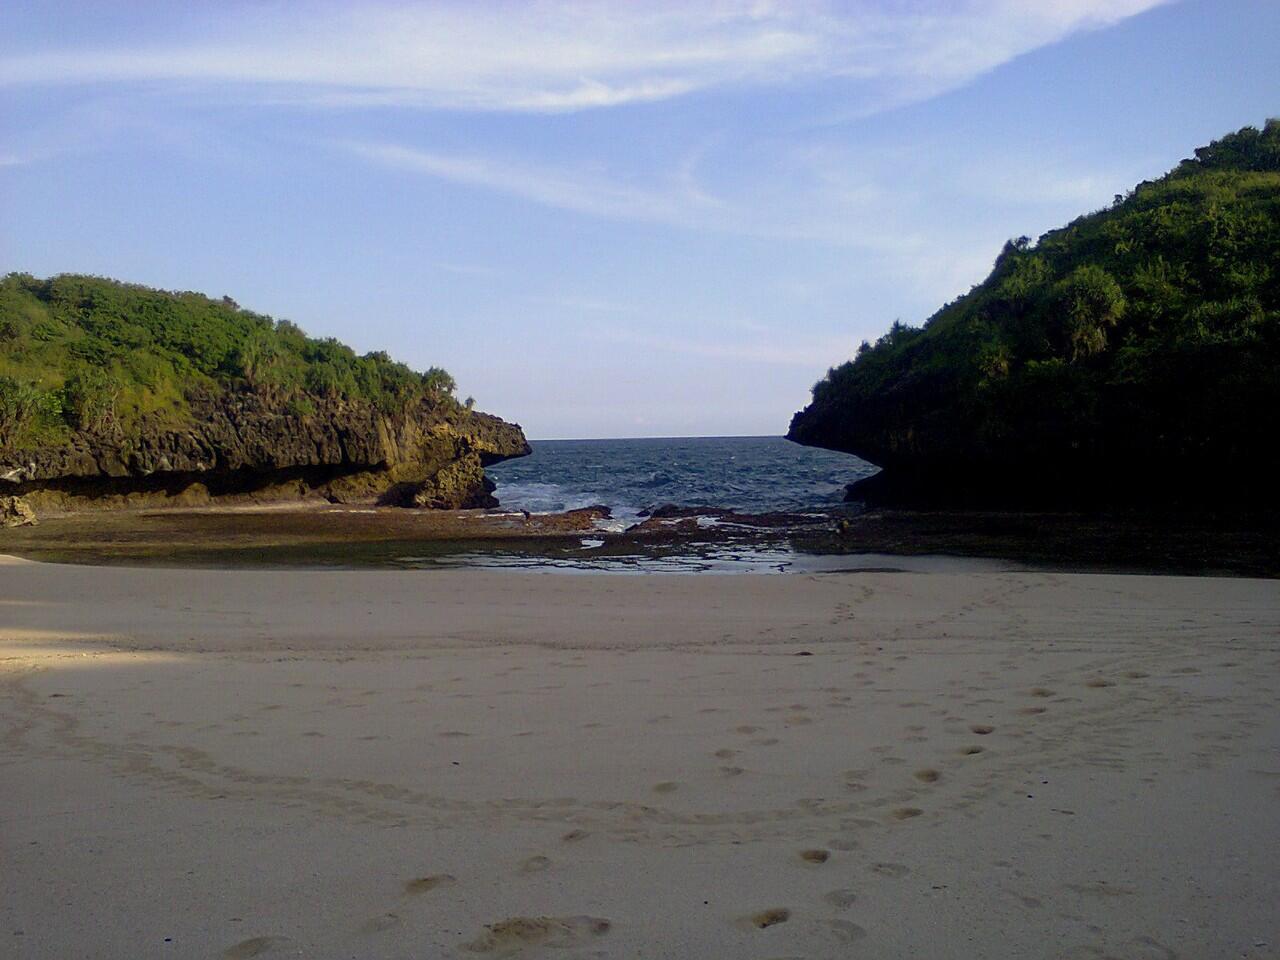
[(16, 512), (241, 447), (457, 486)]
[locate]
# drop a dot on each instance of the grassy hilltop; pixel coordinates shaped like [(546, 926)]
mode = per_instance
[(86, 354), (1133, 353)]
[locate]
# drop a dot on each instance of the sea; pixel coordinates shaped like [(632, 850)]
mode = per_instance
[(635, 476), (746, 474)]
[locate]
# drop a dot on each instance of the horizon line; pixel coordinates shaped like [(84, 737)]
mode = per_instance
[(691, 436)]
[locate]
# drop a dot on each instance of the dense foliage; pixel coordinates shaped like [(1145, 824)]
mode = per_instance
[(1145, 336), (85, 353)]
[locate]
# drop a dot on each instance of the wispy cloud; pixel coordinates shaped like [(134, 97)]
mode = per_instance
[(811, 212), (557, 56), (870, 200), (578, 190)]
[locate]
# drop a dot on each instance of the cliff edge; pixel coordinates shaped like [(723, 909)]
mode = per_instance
[(118, 395), (1130, 357)]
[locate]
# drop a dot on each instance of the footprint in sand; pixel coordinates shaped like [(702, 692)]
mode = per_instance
[(667, 786), (906, 813), (379, 924), (573, 836), (747, 728), (981, 729), (1097, 682), (815, 856), (841, 899), (895, 870), (769, 918), (514, 933), (928, 775), (1149, 948), (853, 780), (846, 932), (1040, 692), (535, 864), (765, 742), (732, 771), (972, 750), (724, 753), (255, 947), (425, 884)]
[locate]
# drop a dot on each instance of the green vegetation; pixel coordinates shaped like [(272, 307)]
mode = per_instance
[(1144, 337), (87, 354)]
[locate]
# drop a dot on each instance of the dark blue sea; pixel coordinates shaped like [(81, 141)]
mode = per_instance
[(748, 474)]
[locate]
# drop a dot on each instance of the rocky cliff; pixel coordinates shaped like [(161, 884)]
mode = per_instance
[(115, 394), (239, 447)]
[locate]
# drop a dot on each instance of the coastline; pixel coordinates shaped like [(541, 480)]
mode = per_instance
[(388, 764), (314, 534)]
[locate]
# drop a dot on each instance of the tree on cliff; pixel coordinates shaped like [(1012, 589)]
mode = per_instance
[(87, 354), (1134, 351)]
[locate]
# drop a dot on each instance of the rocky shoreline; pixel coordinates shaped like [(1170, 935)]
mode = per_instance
[(240, 449), (322, 534)]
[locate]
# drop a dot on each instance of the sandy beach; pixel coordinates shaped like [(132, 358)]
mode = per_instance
[(382, 764)]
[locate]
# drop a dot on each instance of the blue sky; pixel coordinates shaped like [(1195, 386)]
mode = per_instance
[(606, 219)]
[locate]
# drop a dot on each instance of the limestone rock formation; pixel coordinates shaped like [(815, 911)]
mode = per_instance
[(16, 512), (116, 394), (239, 447)]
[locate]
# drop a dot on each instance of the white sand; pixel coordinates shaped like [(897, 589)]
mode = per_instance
[(404, 765)]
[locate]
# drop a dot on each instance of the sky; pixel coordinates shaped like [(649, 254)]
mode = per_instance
[(605, 219)]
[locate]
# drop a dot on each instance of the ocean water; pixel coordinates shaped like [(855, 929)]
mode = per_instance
[(748, 474)]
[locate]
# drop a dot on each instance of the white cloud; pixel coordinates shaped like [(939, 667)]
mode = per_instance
[(578, 190), (676, 200), (809, 210), (557, 56), (881, 207)]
